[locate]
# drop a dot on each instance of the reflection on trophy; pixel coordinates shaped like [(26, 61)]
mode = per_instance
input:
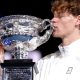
[(20, 34)]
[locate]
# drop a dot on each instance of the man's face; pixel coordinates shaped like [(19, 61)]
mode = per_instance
[(64, 25)]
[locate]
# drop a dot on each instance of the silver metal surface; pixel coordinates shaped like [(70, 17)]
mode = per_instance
[(20, 34)]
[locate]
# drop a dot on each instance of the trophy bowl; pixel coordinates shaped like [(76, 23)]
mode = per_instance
[(20, 34)]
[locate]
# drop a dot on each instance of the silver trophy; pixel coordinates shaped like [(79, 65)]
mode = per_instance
[(20, 34)]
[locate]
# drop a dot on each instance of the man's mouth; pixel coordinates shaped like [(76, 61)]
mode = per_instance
[(55, 27)]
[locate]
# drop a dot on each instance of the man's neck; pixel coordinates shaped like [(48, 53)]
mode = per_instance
[(69, 40)]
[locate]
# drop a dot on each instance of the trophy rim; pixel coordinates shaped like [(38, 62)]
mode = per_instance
[(8, 17)]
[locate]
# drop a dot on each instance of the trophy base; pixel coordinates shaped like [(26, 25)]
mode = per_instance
[(21, 69)]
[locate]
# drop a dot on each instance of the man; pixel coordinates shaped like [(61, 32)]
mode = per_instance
[(65, 63)]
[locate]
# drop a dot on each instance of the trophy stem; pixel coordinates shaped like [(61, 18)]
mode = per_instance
[(20, 55), (20, 52)]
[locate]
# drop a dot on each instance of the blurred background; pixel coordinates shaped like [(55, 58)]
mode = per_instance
[(38, 8)]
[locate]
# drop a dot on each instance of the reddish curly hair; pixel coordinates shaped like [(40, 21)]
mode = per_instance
[(71, 6)]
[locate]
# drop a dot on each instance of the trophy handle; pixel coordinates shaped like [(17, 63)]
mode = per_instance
[(46, 23), (45, 32)]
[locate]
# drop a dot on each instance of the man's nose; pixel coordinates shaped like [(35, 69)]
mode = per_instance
[(53, 20)]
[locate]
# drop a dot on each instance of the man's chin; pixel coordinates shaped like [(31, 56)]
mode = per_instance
[(56, 36)]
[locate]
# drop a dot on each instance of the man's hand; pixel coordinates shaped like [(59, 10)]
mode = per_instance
[(1, 54)]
